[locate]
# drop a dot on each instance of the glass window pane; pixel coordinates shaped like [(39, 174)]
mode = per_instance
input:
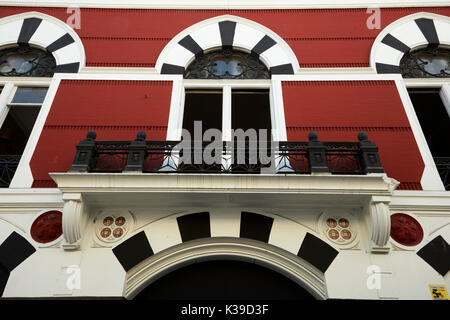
[(29, 95), (25, 61)]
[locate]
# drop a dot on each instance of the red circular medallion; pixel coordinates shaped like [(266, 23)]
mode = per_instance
[(406, 230), (47, 227)]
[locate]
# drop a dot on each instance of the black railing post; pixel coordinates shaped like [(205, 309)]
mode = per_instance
[(368, 155), (316, 154), (136, 153), (85, 155)]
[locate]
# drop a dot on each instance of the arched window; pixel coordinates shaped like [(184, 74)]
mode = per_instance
[(26, 61), (430, 62), (227, 64), (21, 101)]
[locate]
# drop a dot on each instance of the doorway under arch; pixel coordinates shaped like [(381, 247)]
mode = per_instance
[(224, 280), (224, 268)]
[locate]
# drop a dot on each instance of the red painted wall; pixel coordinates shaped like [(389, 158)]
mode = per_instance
[(319, 37), (116, 110), (338, 110)]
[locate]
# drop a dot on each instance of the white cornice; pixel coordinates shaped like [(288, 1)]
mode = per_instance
[(147, 183), (227, 4)]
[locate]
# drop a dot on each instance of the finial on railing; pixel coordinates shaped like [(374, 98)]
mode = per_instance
[(141, 135), (85, 154), (368, 155), (91, 135), (136, 153), (313, 136), (363, 136), (317, 159)]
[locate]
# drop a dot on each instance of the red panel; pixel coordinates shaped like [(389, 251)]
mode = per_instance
[(343, 104), (116, 110), (338, 110), (319, 37)]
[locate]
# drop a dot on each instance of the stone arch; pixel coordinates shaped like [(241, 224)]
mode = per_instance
[(271, 257), (46, 32), (227, 31)]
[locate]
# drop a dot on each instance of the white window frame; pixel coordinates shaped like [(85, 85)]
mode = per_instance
[(10, 85), (277, 119), (443, 84)]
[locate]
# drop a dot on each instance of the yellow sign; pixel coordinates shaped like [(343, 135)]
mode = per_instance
[(438, 292)]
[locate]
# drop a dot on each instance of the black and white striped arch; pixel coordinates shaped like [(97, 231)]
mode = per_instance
[(45, 32), (412, 32), (276, 231), (225, 32)]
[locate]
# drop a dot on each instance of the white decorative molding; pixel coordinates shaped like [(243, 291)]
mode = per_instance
[(408, 33), (244, 34), (72, 221), (229, 4), (48, 33), (289, 265), (380, 225)]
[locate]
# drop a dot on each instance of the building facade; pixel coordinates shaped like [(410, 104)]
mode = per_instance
[(347, 197)]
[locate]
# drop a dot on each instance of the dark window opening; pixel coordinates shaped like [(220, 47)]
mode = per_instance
[(224, 280), (435, 122), (434, 119), (251, 111), (16, 129), (204, 106)]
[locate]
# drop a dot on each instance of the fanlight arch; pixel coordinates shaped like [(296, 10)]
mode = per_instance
[(38, 30), (274, 258), (226, 64), (226, 32), (408, 34), (426, 63)]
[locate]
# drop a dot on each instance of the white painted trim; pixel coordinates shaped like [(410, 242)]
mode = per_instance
[(301, 71), (5, 97), (226, 113), (378, 55), (214, 41), (175, 122), (430, 177), (23, 178), (445, 96), (77, 53), (269, 256), (94, 184), (229, 4), (426, 82)]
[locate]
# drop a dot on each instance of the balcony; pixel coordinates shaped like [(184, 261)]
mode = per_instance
[(443, 167), (287, 157), (8, 166)]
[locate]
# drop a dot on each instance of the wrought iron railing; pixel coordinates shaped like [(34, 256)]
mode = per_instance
[(443, 167), (313, 156), (8, 166)]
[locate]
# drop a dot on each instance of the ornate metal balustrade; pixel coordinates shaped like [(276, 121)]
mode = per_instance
[(443, 167), (8, 166), (140, 155)]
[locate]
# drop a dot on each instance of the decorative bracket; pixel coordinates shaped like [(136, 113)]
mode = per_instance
[(380, 225), (72, 220)]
